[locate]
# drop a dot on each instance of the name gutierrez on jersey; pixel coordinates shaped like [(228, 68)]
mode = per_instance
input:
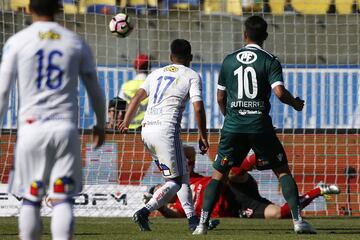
[(248, 104)]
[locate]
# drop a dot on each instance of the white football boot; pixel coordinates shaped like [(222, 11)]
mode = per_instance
[(303, 227), (201, 229)]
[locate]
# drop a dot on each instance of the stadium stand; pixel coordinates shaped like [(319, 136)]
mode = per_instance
[(70, 7), (139, 6), (229, 7), (19, 5), (100, 6), (311, 7)]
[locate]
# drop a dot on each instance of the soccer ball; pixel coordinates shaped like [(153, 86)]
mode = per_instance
[(120, 25)]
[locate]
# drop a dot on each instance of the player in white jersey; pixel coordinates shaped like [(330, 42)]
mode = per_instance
[(46, 60), (168, 90)]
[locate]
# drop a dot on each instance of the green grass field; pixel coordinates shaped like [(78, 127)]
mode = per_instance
[(166, 229)]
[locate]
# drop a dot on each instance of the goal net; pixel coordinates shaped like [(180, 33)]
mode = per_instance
[(317, 43)]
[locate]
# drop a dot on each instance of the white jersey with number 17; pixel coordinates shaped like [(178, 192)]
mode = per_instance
[(168, 89)]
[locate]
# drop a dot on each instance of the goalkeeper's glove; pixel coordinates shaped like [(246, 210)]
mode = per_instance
[(146, 197)]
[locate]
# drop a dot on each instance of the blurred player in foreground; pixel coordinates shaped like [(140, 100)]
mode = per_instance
[(239, 197), (47, 59), (168, 90), (244, 89)]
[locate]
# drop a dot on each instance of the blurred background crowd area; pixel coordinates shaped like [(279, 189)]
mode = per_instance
[(230, 7)]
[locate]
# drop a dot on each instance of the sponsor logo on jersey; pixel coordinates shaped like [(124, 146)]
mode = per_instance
[(244, 112), (152, 123), (50, 35), (246, 57), (37, 189), (171, 69), (63, 185), (224, 161)]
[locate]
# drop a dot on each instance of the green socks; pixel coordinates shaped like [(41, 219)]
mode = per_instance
[(211, 196), (291, 195)]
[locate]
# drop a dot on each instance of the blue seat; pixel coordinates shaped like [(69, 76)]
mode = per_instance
[(102, 9)]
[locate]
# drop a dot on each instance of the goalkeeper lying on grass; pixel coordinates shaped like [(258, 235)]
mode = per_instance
[(240, 196)]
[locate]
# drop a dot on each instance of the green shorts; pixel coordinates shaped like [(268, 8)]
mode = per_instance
[(234, 147)]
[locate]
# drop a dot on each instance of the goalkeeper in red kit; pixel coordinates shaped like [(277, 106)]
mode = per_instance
[(240, 196)]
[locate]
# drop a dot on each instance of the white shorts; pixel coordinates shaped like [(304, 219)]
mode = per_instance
[(47, 160), (167, 152)]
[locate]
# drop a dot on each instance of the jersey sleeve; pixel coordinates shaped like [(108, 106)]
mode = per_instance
[(222, 78), (275, 74), (195, 89), (89, 78), (8, 72)]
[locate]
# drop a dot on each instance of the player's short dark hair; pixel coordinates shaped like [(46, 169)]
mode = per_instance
[(118, 103), (256, 28), (45, 7), (181, 48)]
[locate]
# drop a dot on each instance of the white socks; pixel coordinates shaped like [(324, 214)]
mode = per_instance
[(186, 200), (30, 222), (62, 222), (163, 195)]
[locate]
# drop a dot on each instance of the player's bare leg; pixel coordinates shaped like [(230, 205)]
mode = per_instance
[(291, 195), (211, 196)]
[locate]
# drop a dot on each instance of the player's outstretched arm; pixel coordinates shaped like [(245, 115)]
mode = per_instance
[(96, 95), (97, 100), (286, 97), (201, 122), (133, 107)]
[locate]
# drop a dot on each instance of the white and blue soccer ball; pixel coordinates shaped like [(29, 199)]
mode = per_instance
[(121, 25)]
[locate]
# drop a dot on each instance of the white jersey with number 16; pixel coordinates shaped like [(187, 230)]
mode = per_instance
[(46, 59)]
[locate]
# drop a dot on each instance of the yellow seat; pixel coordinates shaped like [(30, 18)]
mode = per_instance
[(277, 6), (69, 7), (19, 5), (234, 7), (222, 6), (212, 6), (150, 3), (310, 6), (344, 6)]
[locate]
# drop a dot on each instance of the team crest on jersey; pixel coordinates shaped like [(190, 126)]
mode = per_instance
[(246, 57), (63, 185), (37, 188), (171, 69), (50, 35), (224, 161)]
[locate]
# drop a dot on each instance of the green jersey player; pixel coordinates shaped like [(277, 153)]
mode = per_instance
[(246, 79)]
